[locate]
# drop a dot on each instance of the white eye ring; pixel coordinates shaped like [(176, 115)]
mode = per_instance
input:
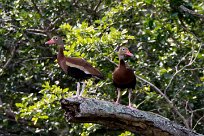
[(123, 49), (56, 38)]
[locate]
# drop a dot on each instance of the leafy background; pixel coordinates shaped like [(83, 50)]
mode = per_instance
[(165, 38)]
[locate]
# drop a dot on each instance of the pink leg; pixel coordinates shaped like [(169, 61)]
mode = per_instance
[(118, 97), (78, 90), (83, 88), (129, 99)]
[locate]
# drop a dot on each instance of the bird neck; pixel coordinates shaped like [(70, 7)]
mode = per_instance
[(121, 57), (122, 62), (60, 54)]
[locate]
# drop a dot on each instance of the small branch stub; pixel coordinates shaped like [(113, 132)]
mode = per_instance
[(86, 110)]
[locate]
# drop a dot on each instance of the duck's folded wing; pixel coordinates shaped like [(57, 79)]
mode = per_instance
[(84, 66)]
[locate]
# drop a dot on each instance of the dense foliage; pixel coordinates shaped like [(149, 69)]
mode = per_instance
[(166, 38)]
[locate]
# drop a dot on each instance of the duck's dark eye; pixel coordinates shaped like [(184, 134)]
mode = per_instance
[(56, 38), (123, 49)]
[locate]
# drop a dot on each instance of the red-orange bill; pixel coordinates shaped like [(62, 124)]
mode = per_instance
[(128, 53), (50, 42)]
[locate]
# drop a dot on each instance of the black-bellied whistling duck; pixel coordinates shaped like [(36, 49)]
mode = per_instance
[(124, 77), (77, 68)]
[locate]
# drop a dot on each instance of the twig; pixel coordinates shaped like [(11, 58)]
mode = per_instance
[(192, 58), (177, 93), (191, 61), (191, 121), (186, 29), (40, 34), (111, 61), (58, 19), (193, 69), (168, 101), (177, 71), (184, 9), (31, 59), (35, 30), (186, 107), (157, 89), (201, 109), (99, 51), (11, 115), (97, 6), (9, 60), (198, 122)]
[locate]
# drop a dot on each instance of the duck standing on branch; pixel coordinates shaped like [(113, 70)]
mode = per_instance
[(124, 77), (77, 68)]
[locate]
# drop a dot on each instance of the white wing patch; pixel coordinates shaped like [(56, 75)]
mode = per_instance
[(77, 66)]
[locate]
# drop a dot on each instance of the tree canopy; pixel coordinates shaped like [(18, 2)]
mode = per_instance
[(166, 38)]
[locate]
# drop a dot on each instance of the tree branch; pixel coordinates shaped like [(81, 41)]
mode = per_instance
[(198, 122), (97, 6), (9, 60), (106, 113), (184, 9), (196, 110), (170, 103)]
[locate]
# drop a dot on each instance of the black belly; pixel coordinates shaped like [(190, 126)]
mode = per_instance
[(78, 74), (130, 84)]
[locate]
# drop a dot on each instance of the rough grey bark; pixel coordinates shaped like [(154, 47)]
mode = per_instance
[(109, 114)]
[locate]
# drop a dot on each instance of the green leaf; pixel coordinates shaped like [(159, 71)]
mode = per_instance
[(34, 119)]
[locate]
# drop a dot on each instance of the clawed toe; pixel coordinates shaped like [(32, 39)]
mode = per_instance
[(129, 106), (76, 96)]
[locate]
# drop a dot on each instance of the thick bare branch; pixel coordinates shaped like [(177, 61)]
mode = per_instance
[(109, 114)]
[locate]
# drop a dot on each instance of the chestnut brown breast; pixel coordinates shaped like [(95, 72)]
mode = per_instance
[(124, 77)]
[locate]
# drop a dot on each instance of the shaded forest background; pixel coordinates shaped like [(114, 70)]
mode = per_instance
[(166, 37)]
